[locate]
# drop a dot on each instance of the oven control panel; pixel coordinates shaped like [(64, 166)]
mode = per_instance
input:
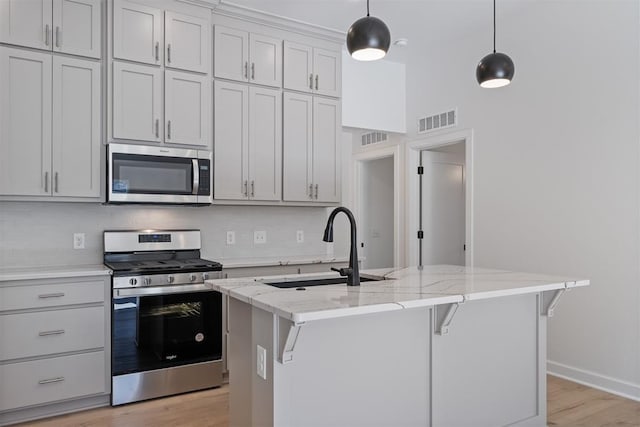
[(172, 279)]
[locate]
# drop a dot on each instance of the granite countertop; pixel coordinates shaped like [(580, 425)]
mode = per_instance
[(281, 260), (402, 288), (52, 272)]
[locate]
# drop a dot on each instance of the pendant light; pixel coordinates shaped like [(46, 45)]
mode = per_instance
[(368, 38), (495, 69)]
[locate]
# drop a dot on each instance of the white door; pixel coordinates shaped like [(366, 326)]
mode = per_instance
[(25, 122), (326, 150), (230, 123), (266, 60), (265, 144), (76, 127), (26, 23), (187, 42), (297, 138), (137, 32), (443, 208), (327, 72), (231, 54), (298, 67), (76, 27), (137, 102), (187, 112)]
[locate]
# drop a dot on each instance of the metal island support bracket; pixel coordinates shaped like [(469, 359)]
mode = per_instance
[(286, 337), (444, 316), (550, 300)]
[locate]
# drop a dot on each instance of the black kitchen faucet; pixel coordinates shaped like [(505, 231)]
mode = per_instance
[(352, 273)]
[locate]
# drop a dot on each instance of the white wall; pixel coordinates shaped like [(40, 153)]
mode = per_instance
[(556, 166), (376, 230), (373, 95), (41, 233)]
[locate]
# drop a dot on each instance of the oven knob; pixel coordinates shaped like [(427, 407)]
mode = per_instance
[(146, 281), (133, 281), (193, 277), (205, 276), (170, 279)]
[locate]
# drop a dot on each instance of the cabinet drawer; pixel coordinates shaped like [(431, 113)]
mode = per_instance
[(48, 380), (50, 332), (51, 295)]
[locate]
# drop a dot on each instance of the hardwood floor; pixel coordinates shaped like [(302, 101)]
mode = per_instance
[(569, 404)]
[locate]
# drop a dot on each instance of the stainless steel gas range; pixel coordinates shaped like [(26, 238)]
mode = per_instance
[(166, 322)]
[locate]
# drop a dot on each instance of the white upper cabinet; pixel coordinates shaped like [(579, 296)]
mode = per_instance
[(25, 122), (326, 150), (311, 69), (68, 26), (137, 102), (247, 57), (187, 112), (138, 32), (187, 44), (49, 125)]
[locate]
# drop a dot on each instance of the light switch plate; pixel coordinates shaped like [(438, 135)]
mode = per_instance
[(300, 236), (231, 237), (259, 237), (261, 360)]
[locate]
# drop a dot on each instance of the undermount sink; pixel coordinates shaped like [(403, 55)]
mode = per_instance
[(317, 281)]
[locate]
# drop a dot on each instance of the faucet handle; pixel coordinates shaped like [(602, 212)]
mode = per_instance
[(343, 271)]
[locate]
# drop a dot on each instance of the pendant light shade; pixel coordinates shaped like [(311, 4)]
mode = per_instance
[(368, 38), (495, 69)]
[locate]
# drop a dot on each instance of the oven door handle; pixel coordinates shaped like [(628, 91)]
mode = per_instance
[(161, 290), (196, 176)]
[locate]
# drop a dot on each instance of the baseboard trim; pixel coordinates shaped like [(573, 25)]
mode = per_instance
[(591, 379)]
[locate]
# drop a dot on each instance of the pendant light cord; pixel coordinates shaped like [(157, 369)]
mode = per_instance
[(368, 11), (494, 25)]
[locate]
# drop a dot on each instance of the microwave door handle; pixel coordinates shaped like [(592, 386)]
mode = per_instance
[(196, 176)]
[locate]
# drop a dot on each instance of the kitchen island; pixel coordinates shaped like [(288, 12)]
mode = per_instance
[(439, 346)]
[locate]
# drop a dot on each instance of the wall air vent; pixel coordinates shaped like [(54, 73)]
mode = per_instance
[(374, 138), (438, 121)]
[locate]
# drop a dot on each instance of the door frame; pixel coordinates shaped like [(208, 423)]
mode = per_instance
[(398, 217), (414, 148)]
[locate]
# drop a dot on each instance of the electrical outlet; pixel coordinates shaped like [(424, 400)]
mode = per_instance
[(261, 362), (231, 237), (300, 236), (259, 237), (78, 240)]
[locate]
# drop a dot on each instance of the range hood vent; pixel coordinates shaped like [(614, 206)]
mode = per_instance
[(438, 121)]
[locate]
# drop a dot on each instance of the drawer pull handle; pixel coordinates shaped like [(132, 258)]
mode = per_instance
[(47, 333), (54, 295), (51, 380)]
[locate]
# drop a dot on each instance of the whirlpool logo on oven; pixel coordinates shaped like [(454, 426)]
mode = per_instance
[(171, 357)]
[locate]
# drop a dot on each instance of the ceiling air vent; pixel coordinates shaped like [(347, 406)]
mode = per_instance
[(373, 138), (438, 121)]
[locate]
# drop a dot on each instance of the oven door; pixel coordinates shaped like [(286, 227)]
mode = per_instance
[(142, 174), (162, 331)]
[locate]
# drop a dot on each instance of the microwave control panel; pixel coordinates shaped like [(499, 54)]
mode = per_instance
[(205, 177)]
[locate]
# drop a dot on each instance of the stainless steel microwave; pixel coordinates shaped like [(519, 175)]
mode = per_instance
[(144, 174)]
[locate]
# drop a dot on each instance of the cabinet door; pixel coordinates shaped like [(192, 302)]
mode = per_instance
[(76, 127), (328, 74), (25, 122), (298, 67), (266, 60), (137, 102), (26, 23), (76, 27), (230, 122), (265, 144), (231, 52), (186, 108), (137, 32), (326, 149), (187, 42), (297, 136)]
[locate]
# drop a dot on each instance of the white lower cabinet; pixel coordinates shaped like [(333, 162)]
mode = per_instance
[(54, 346), (311, 164), (248, 142), (49, 125)]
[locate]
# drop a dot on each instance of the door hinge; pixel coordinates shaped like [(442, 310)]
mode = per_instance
[(420, 170), (420, 234)]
